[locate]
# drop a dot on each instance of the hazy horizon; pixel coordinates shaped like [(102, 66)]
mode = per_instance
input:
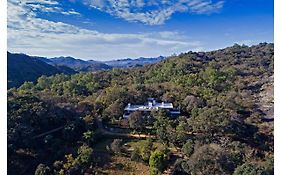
[(133, 58), (103, 30)]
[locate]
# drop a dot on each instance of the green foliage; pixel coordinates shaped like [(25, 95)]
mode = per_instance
[(217, 93), (28, 118), (190, 102), (113, 94), (72, 165), (42, 170), (26, 86), (116, 146), (135, 155), (251, 169), (69, 162), (269, 165), (43, 82), (210, 120), (145, 149), (84, 155), (213, 77), (89, 136), (161, 124), (185, 167), (157, 162), (136, 120), (210, 159), (114, 111), (188, 148), (142, 150), (181, 130), (23, 68)]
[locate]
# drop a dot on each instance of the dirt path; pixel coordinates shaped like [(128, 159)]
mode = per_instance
[(104, 131), (48, 132), (128, 135), (112, 133)]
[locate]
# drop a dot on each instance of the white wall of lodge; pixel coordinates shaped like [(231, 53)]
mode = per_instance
[(150, 106)]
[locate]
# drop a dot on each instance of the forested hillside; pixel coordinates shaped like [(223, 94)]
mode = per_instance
[(23, 68), (58, 124), (78, 64), (126, 63)]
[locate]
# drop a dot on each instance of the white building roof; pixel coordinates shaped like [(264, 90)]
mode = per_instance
[(149, 107)]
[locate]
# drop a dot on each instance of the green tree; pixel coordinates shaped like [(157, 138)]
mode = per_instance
[(26, 86), (181, 131), (161, 126), (191, 102), (213, 78), (188, 148), (269, 165), (89, 136), (42, 170), (210, 121), (84, 155), (210, 159), (43, 82), (114, 111), (145, 149), (251, 169), (116, 146), (157, 162), (113, 94), (136, 120)]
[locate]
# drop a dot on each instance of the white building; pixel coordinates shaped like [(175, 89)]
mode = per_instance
[(150, 106)]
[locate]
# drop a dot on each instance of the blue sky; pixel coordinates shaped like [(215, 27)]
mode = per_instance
[(111, 29)]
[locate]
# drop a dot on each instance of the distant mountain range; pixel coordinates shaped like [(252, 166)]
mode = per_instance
[(125, 63), (92, 65), (76, 64), (23, 68)]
